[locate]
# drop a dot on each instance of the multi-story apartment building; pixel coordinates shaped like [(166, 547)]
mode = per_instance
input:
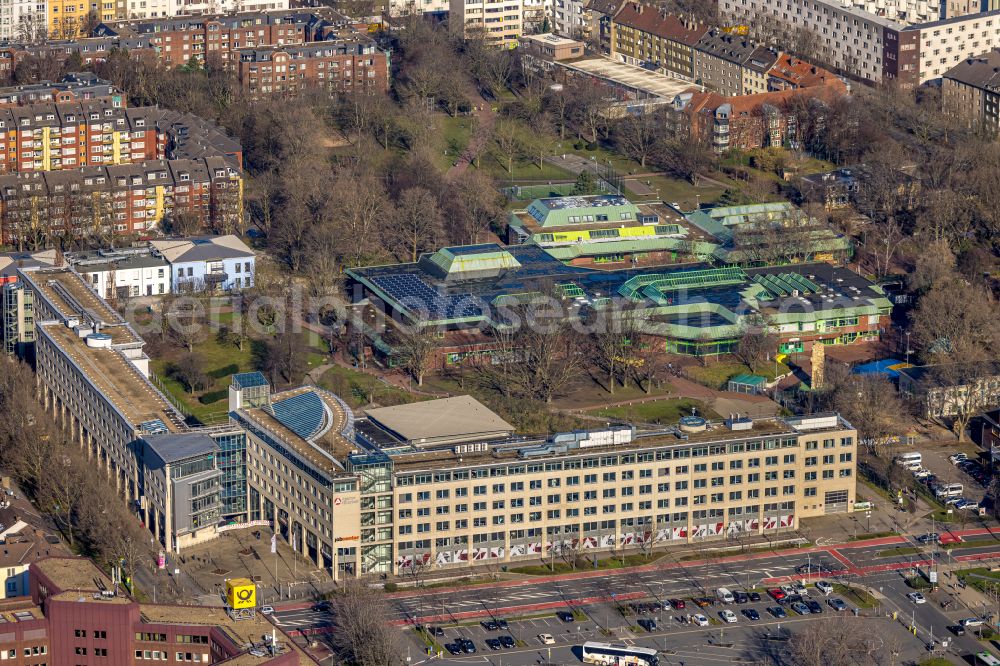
[(23, 20), (347, 65), (74, 87), (731, 64), (52, 137), (177, 39), (569, 18), (397, 8), (791, 73), (641, 35), (875, 48), (69, 19), (499, 22), (38, 208), (971, 90)]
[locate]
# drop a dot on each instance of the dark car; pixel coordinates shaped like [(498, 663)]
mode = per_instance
[(741, 597), (468, 646), (647, 623), (502, 624), (639, 609), (755, 597), (493, 643), (453, 648), (813, 567), (322, 606), (930, 537), (677, 604), (837, 604), (777, 612), (435, 631), (751, 614), (957, 629), (489, 625), (565, 616), (813, 606), (507, 641)]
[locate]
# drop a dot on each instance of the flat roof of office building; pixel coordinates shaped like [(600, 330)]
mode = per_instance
[(448, 420), (174, 447)]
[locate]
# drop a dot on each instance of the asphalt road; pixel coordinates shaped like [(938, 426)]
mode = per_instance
[(598, 600)]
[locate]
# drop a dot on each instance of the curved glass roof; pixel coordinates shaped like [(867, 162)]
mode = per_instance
[(303, 414)]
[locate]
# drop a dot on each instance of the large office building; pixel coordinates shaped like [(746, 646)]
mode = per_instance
[(439, 483)]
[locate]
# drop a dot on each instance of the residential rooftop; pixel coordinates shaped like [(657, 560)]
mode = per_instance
[(979, 72)]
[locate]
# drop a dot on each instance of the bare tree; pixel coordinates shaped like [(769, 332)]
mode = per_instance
[(415, 348), (872, 405), (418, 224), (364, 636), (757, 338)]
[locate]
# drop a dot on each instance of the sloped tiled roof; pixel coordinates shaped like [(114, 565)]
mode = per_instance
[(648, 19)]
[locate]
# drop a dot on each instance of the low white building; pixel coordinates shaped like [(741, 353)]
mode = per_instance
[(126, 273), (209, 263)]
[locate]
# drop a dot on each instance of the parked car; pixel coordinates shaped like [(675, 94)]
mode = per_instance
[(565, 616), (777, 612), (489, 625), (921, 473), (824, 587), (755, 597), (836, 604), (435, 631), (507, 641), (493, 643), (700, 620), (968, 505), (647, 623), (957, 458), (801, 608), (677, 604), (704, 602), (502, 624), (741, 597), (813, 606), (453, 648), (776, 593), (798, 587), (751, 614), (546, 639), (728, 616), (468, 647)]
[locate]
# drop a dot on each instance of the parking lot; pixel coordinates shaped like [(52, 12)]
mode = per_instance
[(654, 623), (942, 467)]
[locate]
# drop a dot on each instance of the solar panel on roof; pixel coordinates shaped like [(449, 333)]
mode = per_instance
[(416, 295), (154, 427), (303, 414)]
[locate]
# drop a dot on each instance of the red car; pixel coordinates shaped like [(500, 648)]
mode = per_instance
[(677, 604), (776, 594)]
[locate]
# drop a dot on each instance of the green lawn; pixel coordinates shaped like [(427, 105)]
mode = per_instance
[(221, 359), (716, 373), (855, 595), (584, 564), (980, 578), (656, 411), (454, 137)]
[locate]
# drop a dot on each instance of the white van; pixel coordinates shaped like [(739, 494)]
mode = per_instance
[(949, 490), (906, 459), (725, 596)]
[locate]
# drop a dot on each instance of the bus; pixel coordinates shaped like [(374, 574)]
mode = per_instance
[(618, 654), (986, 659)]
